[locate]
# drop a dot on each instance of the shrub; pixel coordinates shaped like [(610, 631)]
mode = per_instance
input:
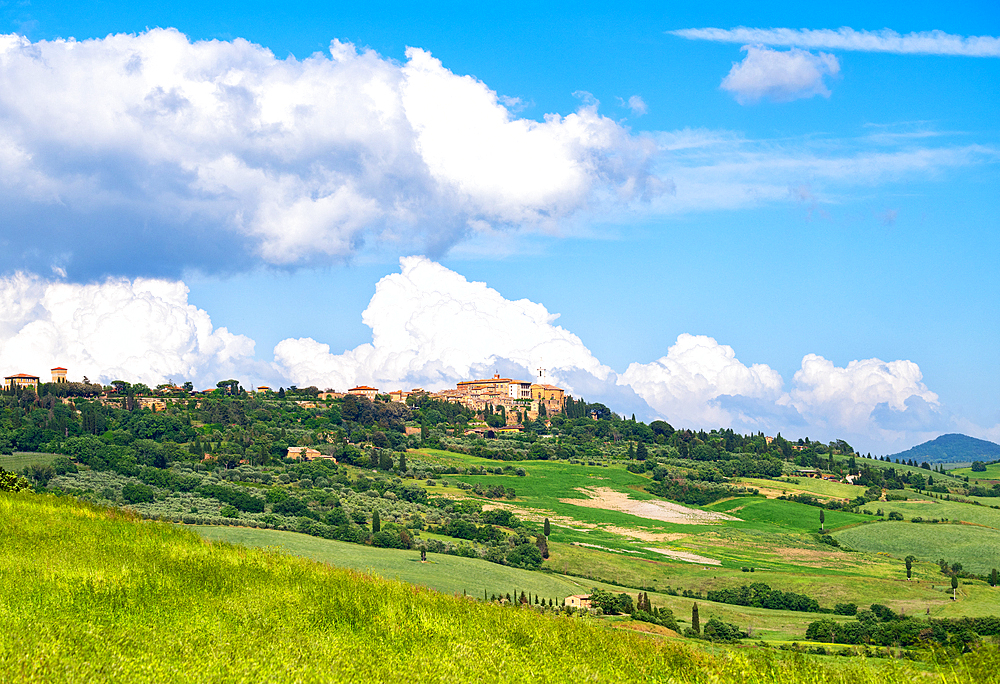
[(726, 632), (895, 515), (11, 482), (137, 493), (525, 556)]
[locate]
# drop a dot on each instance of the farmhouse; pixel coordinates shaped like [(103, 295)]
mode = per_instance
[(578, 601), (21, 381), (307, 454), (365, 391)]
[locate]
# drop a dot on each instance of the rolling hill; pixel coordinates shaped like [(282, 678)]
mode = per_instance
[(952, 448)]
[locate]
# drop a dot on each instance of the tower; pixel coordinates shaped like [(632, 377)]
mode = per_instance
[(58, 375)]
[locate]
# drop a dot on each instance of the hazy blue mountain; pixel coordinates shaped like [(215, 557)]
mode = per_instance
[(952, 448)]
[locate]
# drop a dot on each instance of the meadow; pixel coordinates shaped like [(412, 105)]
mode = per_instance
[(977, 548), (97, 594), (20, 459), (992, 472)]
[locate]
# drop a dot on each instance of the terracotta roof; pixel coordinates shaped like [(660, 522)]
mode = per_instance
[(22, 375), (59, 368), (362, 387)]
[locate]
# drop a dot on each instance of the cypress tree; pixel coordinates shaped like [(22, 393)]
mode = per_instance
[(822, 519), (546, 528), (524, 599), (402, 462), (376, 522), (641, 452), (695, 624)]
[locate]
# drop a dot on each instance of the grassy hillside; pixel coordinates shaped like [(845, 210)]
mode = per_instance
[(976, 548), (449, 574), (952, 448), (95, 595)]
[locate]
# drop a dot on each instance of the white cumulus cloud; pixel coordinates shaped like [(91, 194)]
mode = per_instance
[(780, 76), (217, 153), (845, 38), (853, 397), (684, 386), (142, 330), (432, 327)]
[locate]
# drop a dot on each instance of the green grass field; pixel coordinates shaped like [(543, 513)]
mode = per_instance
[(448, 574), (926, 508), (95, 595), (992, 472), (976, 548), (20, 459), (809, 485)]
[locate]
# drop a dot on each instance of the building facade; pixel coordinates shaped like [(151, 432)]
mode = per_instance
[(58, 375), (368, 393), (21, 381)]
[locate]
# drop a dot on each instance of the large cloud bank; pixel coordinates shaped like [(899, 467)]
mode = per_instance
[(431, 327), (141, 331), (215, 154)]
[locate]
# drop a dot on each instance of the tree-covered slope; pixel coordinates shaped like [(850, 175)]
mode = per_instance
[(952, 448)]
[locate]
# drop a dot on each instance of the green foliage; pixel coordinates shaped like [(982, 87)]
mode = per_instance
[(234, 496), (698, 494), (722, 632), (11, 482), (845, 609), (760, 595), (525, 556), (135, 493), (611, 604)]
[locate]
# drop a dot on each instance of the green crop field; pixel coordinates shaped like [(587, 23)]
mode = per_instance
[(992, 472), (805, 485), (940, 509), (775, 515), (20, 459), (91, 594), (976, 548)]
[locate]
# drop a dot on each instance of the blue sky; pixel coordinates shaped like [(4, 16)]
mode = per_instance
[(725, 214)]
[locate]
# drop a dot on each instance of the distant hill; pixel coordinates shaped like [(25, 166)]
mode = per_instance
[(952, 448)]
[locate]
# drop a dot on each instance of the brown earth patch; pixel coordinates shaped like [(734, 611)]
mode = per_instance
[(685, 556), (612, 500), (639, 533)]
